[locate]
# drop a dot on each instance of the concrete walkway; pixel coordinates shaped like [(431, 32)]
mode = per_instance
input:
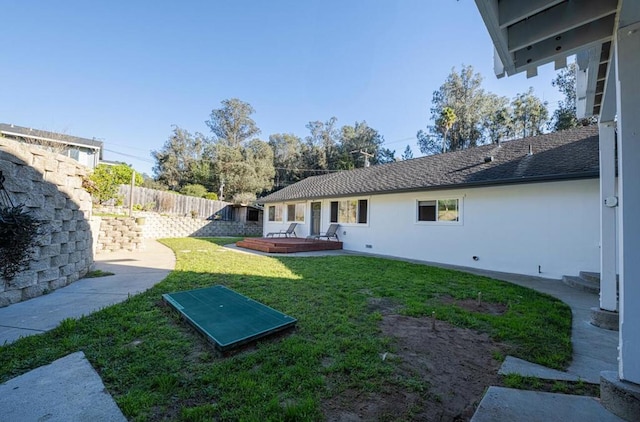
[(69, 389), (134, 272)]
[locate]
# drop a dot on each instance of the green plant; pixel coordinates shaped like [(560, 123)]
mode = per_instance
[(137, 207), (106, 179), (149, 206), (244, 198), (198, 191), (211, 195), (19, 235), (194, 213)]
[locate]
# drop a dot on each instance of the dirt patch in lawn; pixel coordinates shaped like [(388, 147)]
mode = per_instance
[(476, 305), (442, 374)]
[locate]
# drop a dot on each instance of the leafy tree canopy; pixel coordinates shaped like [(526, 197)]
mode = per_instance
[(232, 124), (106, 180)]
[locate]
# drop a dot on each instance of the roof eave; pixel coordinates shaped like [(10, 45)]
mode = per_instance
[(521, 180)]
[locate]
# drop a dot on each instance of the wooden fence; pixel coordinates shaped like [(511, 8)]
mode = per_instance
[(167, 202)]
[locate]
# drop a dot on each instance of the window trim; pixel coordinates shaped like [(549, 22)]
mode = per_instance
[(275, 213), (358, 207), (459, 222), (296, 205)]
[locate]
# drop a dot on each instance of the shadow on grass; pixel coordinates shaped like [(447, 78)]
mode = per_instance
[(157, 366)]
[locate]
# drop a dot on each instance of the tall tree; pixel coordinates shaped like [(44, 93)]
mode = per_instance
[(232, 123), (530, 114), (180, 161), (565, 116), (322, 144), (287, 158), (242, 164), (444, 123), (497, 121), (360, 144), (461, 92), (407, 154)]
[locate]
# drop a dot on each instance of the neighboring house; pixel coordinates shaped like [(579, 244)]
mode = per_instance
[(86, 151), (528, 206)]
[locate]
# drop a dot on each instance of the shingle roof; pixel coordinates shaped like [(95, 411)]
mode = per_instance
[(561, 155), (50, 136)]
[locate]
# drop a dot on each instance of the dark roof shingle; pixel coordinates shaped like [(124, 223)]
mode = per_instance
[(52, 136), (556, 156)]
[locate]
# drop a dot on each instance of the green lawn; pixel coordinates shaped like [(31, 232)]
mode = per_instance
[(158, 368)]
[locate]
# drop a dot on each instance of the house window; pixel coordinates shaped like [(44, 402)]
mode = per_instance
[(74, 153), (352, 211), (295, 212), (275, 212), (253, 214), (442, 210)]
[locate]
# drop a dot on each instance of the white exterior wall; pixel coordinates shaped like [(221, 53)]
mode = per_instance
[(511, 228)]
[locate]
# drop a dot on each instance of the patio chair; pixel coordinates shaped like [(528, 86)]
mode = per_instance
[(331, 233), (286, 233)]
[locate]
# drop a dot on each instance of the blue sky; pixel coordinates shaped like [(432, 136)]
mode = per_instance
[(125, 71)]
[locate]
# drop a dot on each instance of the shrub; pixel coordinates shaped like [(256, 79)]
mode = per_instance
[(106, 179), (244, 198), (211, 195), (198, 191), (19, 233)]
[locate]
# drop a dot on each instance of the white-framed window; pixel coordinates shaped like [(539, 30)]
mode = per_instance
[(350, 211), (446, 211), (275, 212), (295, 212)]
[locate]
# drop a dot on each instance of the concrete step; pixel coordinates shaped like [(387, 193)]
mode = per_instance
[(582, 284), (589, 276)]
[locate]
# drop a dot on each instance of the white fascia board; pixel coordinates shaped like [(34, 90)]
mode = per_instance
[(586, 80), (557, 20), (489, 11)]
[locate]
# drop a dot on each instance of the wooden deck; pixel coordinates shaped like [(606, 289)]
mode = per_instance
[(287, 244)]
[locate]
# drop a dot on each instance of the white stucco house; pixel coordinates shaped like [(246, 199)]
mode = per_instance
[(528, 206)]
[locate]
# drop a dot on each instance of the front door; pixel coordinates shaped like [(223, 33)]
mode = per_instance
[(316, 207)]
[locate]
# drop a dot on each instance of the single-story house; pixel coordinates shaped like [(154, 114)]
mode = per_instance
[(528, 206), (85, 151)]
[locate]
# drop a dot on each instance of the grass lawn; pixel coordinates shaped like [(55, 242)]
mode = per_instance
[(158, 368)]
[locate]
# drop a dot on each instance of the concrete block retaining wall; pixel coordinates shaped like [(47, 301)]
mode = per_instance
[(119, 233), (157, 226), (50, 187)]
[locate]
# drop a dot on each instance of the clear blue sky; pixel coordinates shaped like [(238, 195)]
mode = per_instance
[(125, 71)]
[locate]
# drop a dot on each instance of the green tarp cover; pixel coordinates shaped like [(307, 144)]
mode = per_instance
[(228, 318)]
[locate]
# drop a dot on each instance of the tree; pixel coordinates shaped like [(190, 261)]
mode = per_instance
[(463, 94), (565, 116), (106, 180), (287, 158), (321, 145), (407, 154), (444, 123), (497, 121), (530, 114), (232, 123), (359, 144), (244, 169), (196, 190), (241, 163), (182, 160)]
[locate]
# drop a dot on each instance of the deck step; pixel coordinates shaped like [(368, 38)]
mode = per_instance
[(287, 245), (581, 283)]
